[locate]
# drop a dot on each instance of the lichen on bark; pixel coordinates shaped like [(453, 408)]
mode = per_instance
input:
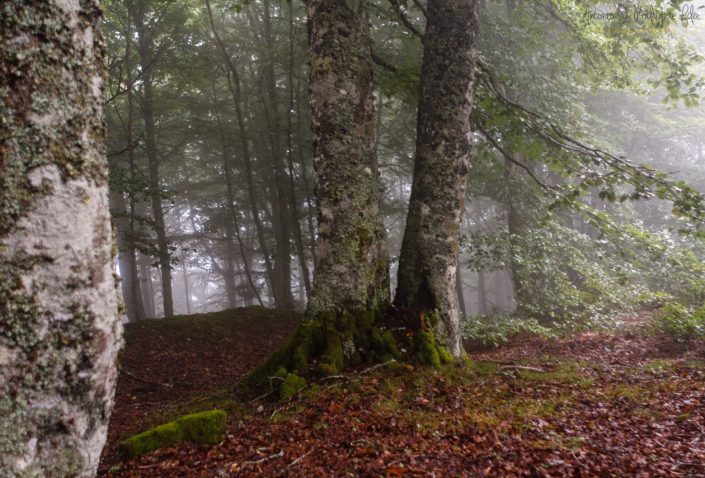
[(428, 260), (59, 331)]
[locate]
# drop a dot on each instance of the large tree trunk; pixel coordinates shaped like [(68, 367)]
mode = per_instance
[(146, 54), (352, 271), (351, 280), (59, 329), (426, 293)]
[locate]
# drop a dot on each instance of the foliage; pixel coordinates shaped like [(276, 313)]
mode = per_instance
[(496, 330), (679, 322)]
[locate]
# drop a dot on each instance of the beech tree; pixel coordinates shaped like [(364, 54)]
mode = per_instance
[(59, 331), (426, 292), (350, 295)]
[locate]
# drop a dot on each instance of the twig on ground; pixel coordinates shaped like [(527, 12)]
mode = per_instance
[(522, 367), (262, 460), (298, 460), (148, 382)]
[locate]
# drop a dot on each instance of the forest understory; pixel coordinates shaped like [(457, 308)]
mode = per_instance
[(625, 403)]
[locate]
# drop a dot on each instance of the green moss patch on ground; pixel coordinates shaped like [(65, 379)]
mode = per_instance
[(203, 427)]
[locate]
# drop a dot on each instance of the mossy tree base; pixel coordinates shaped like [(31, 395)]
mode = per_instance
[(203, 427), (333, 341), (325, 346)]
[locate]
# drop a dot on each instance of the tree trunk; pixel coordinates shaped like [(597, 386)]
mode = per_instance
[(516, 226), (295, 215), (229, 269), (282, 215), (351, 280), (145, 268), (352, 272), (481, 293), (126, 258), (427, 267), (187, 292), (461, 293), (234, 226), (235, 87), (146, 54), (59, 329)]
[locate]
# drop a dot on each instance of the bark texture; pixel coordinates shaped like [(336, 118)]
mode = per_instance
[(352, 272), (426, 292), (59, 330)]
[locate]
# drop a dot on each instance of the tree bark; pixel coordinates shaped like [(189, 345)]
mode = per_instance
[(427, 267), (146, 54), (351, 279), (59, 328), (352, 272)]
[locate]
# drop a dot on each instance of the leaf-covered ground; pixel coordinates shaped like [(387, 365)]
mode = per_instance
[(595, 405)]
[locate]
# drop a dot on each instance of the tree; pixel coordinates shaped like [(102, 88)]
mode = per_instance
[(351, 281), (147, 59), (352, 272), (59, 330), (426, 292)]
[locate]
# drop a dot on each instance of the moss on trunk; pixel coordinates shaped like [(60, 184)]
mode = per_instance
[(329, 343)]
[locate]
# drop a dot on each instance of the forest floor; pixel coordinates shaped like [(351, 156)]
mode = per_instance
[(606, 405)]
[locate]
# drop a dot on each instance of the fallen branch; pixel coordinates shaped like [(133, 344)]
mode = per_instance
[(298, 460), (148, 382), (262, 460), (522, 367)]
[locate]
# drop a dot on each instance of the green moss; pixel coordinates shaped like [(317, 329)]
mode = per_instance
[(333, 341), (567, 372), (291, 385), (426, 350), (203, 427), (333, 360), (429, 352)]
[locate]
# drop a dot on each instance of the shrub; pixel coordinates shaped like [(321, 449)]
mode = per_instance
[(680, 323), (493, 331)]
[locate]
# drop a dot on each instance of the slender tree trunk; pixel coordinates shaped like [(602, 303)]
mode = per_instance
[(187, 293), (295, 215), (461, 292), (517, 227), (135, 291), (234, 84), (146, 54), (230, 188), (230, 273), (427, 267), (59, 328), (481, 293), (282, 214), (126, 258), (145, 268)]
